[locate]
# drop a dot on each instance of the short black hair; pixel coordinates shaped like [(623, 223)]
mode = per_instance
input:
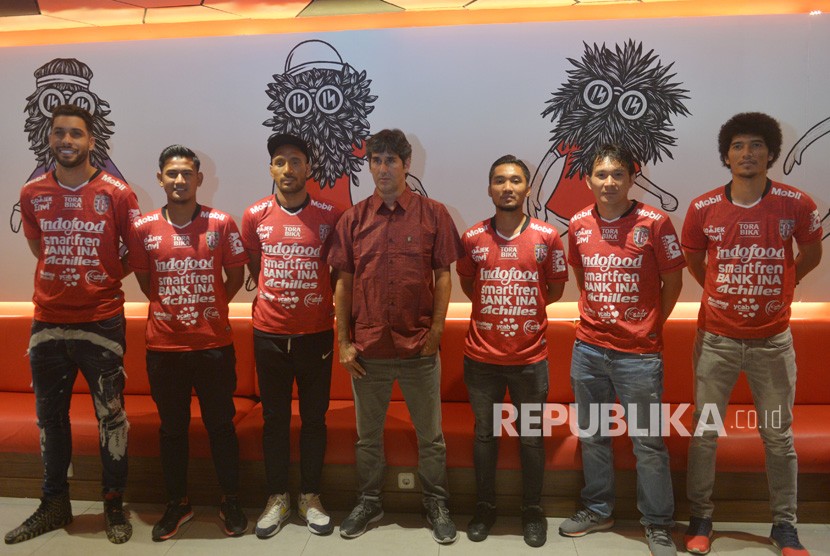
[(279, 139), (617, 153), (73, 110), (509, 159), (389, 141), (751, 123), (180, 151)]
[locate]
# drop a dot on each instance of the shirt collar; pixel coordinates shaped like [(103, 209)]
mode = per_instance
[(403, 201)]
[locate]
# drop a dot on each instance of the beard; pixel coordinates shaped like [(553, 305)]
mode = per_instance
[(81, 158)]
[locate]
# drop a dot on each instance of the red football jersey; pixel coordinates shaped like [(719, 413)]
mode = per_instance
[(78, 274), (750, 269), (294, 285), (188, 303), (619, 307), (510, 277)]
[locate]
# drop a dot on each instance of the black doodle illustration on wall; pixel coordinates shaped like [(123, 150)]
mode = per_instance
[(795, 155), (621, 95), (61, 81)]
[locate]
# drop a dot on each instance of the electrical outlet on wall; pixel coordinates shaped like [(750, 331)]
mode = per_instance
[(406, 481)]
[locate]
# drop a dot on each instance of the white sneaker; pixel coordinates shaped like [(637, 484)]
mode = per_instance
[(312, 511), (277, 510)]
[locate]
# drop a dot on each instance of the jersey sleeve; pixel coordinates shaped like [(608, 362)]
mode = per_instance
[(31, 229), (126, 212), (808, 225), (250, 239), (556, 269), (137, 258), (693, 237), (234, 254), (573, 251), (667, 247), (465, 266)]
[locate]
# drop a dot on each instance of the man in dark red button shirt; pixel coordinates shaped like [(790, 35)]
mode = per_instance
[(392, 253)]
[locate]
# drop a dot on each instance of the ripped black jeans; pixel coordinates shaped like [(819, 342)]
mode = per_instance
[(56, 353)]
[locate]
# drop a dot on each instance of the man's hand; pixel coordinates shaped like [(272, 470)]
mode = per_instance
[(433, 339), (348, 358)]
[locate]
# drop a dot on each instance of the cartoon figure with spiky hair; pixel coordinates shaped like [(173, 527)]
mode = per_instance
[(794, 156), (622, 96), (61, 81)]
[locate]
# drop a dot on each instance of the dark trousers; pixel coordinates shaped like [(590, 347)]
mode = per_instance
[(173, 376), (56, 353), (279, 362)]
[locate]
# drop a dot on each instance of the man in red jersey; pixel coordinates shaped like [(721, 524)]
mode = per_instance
[(73, 219), (628, 266), (179, 253), (513, 266), (738, 241), (287, 237), (392, 252)]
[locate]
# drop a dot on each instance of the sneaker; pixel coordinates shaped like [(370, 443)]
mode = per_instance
[(276, 511), (785, 538), (234, 521), (53, 513), (315, 516), (177, 513), (659, 540), (699, 535), (355, 524), (534, 526), (438, 517), (483, 519), (583, 522), (116, 523)]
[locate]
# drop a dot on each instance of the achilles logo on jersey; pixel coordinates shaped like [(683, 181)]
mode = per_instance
[(101, 204), (180, 240), (42, 202), (287, 251), (183, 266), (509, 252), (290, 230), (714, 233), (479, 254), (747, 254), (749, 229), (74, 226), (95, 277), (786, 228), (72, 202)]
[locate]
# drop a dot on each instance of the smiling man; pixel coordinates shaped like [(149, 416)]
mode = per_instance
[(505, 348), (179, 253), (73, 219), (628, 266), (738, 240)]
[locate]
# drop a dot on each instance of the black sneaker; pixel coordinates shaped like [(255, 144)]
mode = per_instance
[(116, 523), (534, 526), (438, 517), (53, 513), (483, 519), (235, 522), (355, 524), (178, 513), (785, 537)]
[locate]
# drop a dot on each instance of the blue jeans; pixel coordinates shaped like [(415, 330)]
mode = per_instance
[(769, 364), (56, 353), (420, 382), (486, 385), (279, 361), (212, 374), (598, 376)]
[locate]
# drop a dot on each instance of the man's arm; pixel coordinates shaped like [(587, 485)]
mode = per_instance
[(143, 279), (579, 276), (234, 278), (554, 292), (809, 256), (34, 247), (467, 286), (671, 284), (343, 312), (254, 265), (440, 302), (696, 263)]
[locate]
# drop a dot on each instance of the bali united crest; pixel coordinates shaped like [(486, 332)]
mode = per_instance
[(640, 236), (541, 252), (101, 204), (786, 228), (325, 230), (212, 239)]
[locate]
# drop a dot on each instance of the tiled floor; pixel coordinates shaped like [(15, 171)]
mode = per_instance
[(396, 535)]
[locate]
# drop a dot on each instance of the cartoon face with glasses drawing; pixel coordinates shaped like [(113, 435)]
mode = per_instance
[(619, 96), (60, 81)]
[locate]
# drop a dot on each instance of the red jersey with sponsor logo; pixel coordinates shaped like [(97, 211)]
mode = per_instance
[(78, 274), (619, 306), (510, 277), (188, 303), (294, 285), (750, 269)]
